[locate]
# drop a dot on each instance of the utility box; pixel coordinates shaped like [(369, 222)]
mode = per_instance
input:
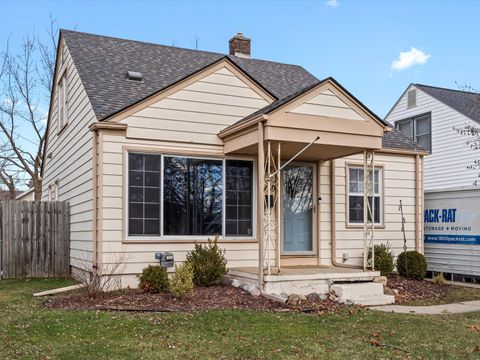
[(166, 259), (452, 233)]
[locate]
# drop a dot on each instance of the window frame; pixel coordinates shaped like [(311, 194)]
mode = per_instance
[(414, 91), (127, 238), (62, 85), (381, 194), (413, 119)]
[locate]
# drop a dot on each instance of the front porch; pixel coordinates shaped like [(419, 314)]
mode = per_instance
[(303, 279)]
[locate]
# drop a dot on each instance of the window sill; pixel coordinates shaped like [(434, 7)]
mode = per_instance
[(360, 226), (181, 240), (60, 131)]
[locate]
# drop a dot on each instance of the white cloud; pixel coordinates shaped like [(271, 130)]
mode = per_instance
[(410, 58), (332, 3)]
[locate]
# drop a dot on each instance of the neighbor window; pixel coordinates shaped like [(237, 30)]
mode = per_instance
[(412, 98), (62, 101), (418, 129), (355, 195), (53, 191), (189, 196)]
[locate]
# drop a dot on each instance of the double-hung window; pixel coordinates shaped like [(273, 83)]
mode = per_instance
[(418, 129), (189, 196), (355, 195)]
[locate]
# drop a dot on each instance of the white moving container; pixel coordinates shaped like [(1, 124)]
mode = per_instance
[(452, 233)]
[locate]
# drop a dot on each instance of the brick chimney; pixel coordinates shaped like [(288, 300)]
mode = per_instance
[(239, 46)]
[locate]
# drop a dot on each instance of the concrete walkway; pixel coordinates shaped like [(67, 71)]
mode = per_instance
[(457, 308)]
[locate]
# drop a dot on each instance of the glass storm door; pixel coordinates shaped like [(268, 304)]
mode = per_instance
[(297, 189)]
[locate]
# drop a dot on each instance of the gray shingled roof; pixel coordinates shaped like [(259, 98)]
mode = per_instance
[(102, 63), (465, 102)]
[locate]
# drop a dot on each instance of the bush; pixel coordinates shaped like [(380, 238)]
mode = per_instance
[(208, 264), (154, 279), (181, 283), (439, 279), (412, 265), (384, 261)]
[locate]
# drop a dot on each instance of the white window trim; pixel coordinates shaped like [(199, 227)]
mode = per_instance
[(414, 91), (62, 96), (53, 191), (188, 238), (381, 195)]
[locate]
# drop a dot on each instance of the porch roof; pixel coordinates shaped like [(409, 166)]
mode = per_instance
[(325, 110)]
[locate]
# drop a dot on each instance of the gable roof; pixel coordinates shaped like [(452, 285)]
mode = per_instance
[(465, 102), (102, 63)]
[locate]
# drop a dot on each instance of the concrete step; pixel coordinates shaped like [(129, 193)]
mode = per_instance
[(356, 290), (374, 300)]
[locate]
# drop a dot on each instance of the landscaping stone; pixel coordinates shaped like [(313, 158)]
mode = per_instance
[(388, 291), (255, 292), (226, 281), (382, 280), (249, 287), (294, 299), (236, 283), (316, 297)]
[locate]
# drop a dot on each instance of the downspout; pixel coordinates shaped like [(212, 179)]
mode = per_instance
[(260, 202), (95, 198), (418, 197), (333, 221)]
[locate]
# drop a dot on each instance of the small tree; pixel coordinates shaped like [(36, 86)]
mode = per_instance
[(25, 86), (472, 132)]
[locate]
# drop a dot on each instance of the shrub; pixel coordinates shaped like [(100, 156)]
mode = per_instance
[(181, 283), (412, 265), (154, 279), (384, 260), (439, 279), (208, 263)]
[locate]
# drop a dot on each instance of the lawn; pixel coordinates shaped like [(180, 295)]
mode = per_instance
[(29, 331)]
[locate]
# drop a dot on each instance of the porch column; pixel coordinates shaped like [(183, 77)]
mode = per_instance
[(260, 204), (368, 208)]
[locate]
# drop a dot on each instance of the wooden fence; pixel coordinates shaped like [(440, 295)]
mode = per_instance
[(34, 239)]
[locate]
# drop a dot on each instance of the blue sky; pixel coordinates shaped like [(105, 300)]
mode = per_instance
[(354, 41)]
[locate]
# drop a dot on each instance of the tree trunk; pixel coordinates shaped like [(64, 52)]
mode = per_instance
[(37, 186)]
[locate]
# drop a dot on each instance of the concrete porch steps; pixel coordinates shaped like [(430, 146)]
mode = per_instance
[(362, 293)]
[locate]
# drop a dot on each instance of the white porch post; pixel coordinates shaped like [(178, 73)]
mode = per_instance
[(368, 208), (260, 204)]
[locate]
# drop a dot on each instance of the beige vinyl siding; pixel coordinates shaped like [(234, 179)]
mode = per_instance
[(446, 166), (327, 104), (71, 162), (186, 123), (398, 184), (196, 113)]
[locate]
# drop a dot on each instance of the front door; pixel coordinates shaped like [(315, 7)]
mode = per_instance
[(297, 189)]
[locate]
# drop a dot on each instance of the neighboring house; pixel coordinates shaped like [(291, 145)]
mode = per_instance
[(27, 195), (158, 148), (429, 115)]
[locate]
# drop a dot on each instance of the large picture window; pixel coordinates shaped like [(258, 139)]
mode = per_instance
[(355, 195), (187, 196)]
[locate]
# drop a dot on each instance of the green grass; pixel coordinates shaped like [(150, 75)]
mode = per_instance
[(455, 295), (29, 331)]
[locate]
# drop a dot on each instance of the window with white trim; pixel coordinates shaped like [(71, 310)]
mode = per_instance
[(411, 98), (189, 196), (418, 129), (53, 191), (62, 102), (355, 195)]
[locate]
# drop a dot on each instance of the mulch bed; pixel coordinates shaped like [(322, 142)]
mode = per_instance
[(216, 297), (414, 290)]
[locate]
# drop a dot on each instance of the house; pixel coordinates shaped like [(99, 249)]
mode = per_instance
[(157, 148), (27, 195), (430, 116)]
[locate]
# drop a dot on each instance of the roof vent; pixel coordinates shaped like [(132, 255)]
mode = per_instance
[(134, 75)]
